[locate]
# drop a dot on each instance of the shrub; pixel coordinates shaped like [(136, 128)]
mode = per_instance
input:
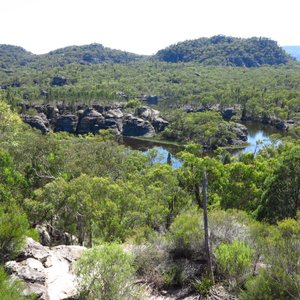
[(186, 235), (279, 279), (174, 276), (234, 260), (106, 272), (133, 103), (202, 286), (151, 261), (11, 289), (14, 226), (227, 226)]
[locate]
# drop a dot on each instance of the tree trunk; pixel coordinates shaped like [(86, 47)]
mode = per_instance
[(80, 229), (197, 195), (206, 233)]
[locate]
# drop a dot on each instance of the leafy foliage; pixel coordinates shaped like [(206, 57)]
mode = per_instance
[(11, 289), (226, 51), (279, 278), (14, 226), (106, 272), (234, 260)]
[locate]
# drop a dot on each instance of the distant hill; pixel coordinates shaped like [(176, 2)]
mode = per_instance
[(218, 50), (13, 56), (226, 51), (293, 51), (89, 54)]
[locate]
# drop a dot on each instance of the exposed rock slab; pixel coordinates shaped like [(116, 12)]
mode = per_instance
[(47, 271)]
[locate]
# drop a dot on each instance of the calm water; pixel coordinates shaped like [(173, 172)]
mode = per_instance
[(259, 135)]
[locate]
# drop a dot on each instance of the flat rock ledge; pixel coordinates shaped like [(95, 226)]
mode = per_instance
[(47, 272)]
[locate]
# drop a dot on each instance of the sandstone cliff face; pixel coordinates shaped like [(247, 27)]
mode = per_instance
[(144, 121), (47, 272)]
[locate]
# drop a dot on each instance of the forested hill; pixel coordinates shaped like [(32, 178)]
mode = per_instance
[(89, 54), (215, 51), (13, 56), (226, 51)]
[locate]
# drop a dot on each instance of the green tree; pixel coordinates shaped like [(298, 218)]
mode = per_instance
[(282, 196), (14, 226)]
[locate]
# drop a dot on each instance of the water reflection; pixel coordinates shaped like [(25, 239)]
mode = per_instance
[(259, 135), (162, 155)]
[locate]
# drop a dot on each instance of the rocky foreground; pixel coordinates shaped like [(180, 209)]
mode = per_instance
[(48, 273)]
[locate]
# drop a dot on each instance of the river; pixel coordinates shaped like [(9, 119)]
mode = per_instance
[(259, 135)]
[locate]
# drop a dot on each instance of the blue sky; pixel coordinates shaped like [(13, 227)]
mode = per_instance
[(142, 26)]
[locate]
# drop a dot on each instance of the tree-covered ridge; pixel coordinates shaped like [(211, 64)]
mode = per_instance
[(215, 51), (226, 51), (88, 54), (13, 56)]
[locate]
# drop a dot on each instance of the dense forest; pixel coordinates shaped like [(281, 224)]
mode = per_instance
[(218, 221), (226, 51)]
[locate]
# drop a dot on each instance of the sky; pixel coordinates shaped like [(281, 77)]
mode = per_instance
[(143, 26)]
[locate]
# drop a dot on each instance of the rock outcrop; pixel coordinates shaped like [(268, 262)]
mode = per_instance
[(46, 271), (144, 121), (134, 126), (66, 123), (39, 121), (59, 80)]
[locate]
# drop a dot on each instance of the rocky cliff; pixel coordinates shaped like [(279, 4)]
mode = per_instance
[(144, 121)]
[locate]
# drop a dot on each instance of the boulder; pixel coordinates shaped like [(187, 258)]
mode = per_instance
[(38, 121), (134, 126), (241, 133), (47, 271), (280, 124), (159, 124), (44, 235), (52, 112), (228, 113), (89, 121), (66, 123), (147, 113), (59, 80), (151, 99), (115, 113)]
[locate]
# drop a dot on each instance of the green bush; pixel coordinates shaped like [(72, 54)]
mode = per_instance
[(151, 261), (234, 260), (14, 227), (186, 235), (279, 278), (106, 272), (202, 286), (133, 103), (174, 276), (10, 289)]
